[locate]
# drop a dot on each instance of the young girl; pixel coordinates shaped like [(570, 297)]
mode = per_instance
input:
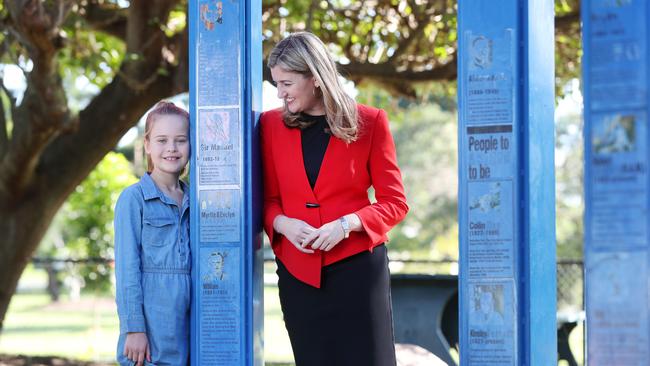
[(152, 252)]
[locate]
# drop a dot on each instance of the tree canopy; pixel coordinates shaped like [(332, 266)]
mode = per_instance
[(398, 44)]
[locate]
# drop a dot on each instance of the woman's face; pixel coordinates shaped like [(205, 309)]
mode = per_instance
[(298, 92)]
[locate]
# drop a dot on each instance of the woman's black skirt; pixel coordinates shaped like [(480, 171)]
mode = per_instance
[(348, 321)]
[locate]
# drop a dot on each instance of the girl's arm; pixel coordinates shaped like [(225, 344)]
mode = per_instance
[(128, 233)]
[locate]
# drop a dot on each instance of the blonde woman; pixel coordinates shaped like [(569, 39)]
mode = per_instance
[(321, 153)]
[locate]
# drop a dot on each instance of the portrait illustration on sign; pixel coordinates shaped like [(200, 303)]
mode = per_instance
[(481, 52), (217, 264), (211, 14), (219, 216), (615, 133), (216, 127), (487, 307), (490, 201), (613, 272)]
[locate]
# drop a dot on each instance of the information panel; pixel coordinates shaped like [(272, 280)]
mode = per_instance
[(499, 290), (616, 181), (225, 78), (489, 148)]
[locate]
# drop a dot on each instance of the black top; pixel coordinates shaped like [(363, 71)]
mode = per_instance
[(315, 139)]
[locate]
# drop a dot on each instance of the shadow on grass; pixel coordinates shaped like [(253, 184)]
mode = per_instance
[(39, 329), (20, 360)]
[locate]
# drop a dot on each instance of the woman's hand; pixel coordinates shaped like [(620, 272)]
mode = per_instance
[(295, 230), (136, 348), (327, 236)]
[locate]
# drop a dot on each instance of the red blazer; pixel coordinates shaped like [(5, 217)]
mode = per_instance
[(347, 171)]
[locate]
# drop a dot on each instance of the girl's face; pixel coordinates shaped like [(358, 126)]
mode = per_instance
[(168, 144), (298, 92)]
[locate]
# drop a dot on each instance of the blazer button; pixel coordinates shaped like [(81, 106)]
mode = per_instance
[(312, 205)]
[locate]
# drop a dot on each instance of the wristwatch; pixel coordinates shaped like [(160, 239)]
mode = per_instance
[(346, 227)]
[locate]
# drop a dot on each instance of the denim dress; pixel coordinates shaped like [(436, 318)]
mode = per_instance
[(152, 269)]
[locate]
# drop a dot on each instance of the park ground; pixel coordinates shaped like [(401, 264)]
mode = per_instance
[(83, 331)]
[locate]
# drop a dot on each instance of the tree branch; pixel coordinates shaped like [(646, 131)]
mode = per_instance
[(101, 124), (564, 22), (142, 80), (386, 72), (310, 15), (180, 46), (3, 126), (397, 82), (106, 17), (406, 42), (43, 111)]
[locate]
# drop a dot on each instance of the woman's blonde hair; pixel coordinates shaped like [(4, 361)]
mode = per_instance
[(162, 108), (305, 54)]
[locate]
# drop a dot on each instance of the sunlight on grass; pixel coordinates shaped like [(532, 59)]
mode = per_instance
[(84, 329), (88, 329), (277, 347)]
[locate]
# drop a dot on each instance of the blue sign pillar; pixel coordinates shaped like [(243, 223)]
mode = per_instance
[(225, 102), (506, 193), (615, 74)]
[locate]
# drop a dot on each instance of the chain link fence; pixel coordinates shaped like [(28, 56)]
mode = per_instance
[(569, 274), (570, 293)]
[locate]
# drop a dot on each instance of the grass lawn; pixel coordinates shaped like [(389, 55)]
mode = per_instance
[(87, 329), (84, 329)]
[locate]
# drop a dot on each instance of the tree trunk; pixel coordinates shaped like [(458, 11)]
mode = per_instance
[(53, 283), (22, 230)]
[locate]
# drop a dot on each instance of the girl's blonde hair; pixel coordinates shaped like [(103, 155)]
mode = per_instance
[(162, 108), (305, 54)]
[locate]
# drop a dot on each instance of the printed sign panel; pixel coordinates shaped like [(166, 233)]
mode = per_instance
[(617, 54), (617, 315), (488, 157), (616, 182), (491, 324), (489, 91), (219, 320), (219, 216), (219, 135), (219, 49)]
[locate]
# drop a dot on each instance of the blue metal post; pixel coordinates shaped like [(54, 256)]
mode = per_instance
[(507, 188), (225, 103), (615, 74)]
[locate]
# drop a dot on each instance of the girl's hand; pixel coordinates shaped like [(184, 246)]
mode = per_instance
[(327, 236), (136, 348), (295, 230)]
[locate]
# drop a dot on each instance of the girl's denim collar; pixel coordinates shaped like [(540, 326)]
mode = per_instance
[(151, 191)]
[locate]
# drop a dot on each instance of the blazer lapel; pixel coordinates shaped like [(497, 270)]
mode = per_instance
[(328, 167), (298, 162), (335, 148)]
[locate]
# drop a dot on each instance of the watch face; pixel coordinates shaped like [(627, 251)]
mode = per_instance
[(346, 227)]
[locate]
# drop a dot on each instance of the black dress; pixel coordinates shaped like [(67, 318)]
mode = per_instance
[(348, 321)]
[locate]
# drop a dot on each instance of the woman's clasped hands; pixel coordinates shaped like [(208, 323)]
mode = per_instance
[(306, 238)]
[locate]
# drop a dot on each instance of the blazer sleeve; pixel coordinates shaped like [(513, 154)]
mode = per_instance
[(391, 207), (272, 203)]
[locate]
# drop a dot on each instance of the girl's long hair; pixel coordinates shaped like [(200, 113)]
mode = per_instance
[(305, 54)]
